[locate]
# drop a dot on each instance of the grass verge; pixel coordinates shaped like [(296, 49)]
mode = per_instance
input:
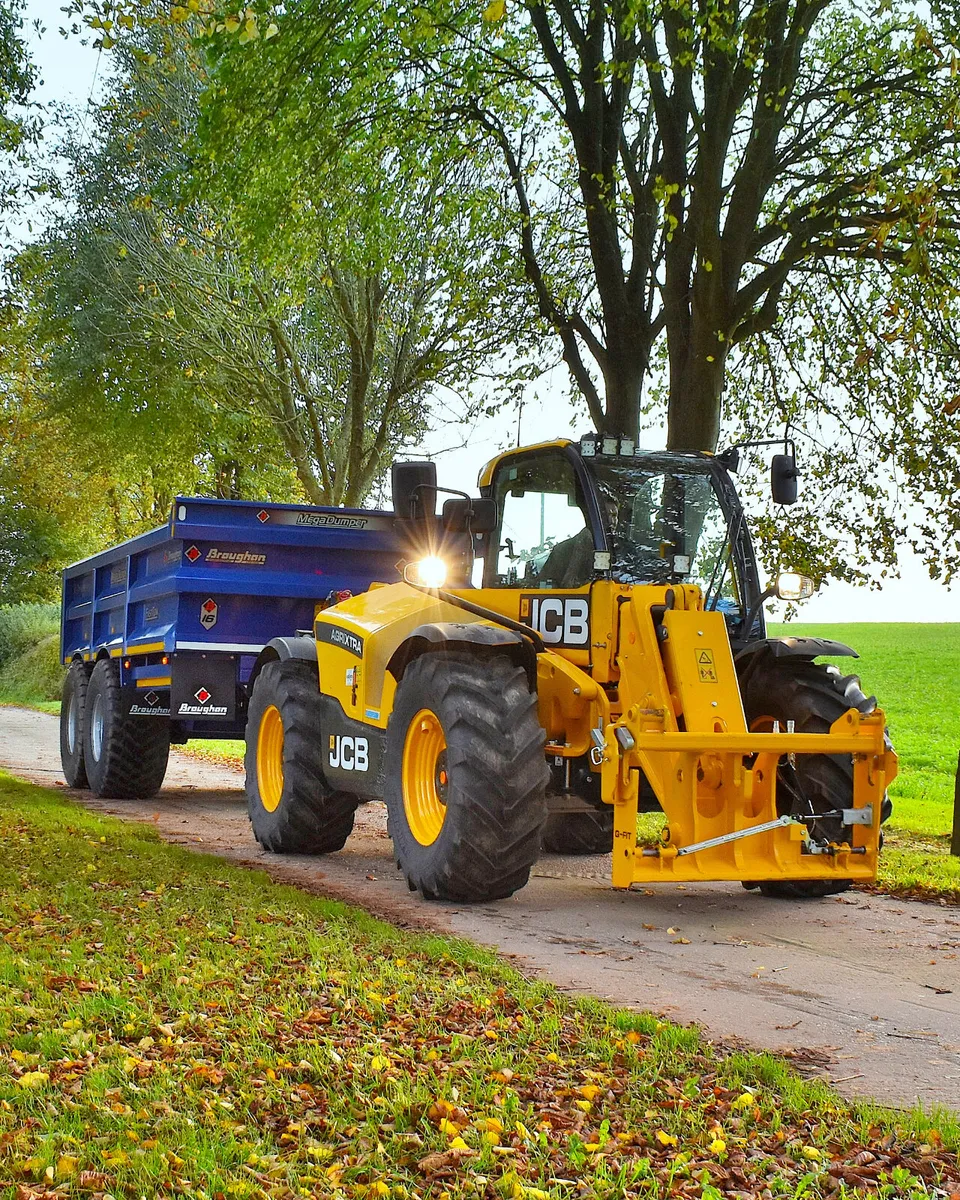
[(171, 1025), (217, 750)]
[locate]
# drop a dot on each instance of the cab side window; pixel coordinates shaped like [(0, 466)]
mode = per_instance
[(543, 539)]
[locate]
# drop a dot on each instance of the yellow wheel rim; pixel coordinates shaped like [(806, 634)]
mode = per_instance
[(424, 777), (270, 759)]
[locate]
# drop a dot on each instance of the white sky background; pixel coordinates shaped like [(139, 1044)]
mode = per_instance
[(68, 71)]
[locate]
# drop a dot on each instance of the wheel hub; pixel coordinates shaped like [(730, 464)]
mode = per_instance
[(270, 759), (72, 724), (425, 777), (96, 728)]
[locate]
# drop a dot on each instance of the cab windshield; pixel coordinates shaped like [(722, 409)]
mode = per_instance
[(667, 527)]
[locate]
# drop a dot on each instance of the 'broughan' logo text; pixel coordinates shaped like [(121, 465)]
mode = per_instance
[(239, 557)]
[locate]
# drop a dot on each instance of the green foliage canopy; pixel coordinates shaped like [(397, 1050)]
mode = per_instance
[(732, 214)]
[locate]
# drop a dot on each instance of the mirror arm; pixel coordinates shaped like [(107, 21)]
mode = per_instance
[(755, 608), (730, 457)]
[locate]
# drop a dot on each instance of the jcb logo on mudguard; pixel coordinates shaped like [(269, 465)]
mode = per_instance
[(560, 620), (349, 753)]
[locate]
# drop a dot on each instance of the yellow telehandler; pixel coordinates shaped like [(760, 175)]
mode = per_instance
[(582, 642)]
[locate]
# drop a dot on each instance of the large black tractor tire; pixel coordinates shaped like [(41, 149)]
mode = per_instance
[(466, 777), (72, 703), (125, 758), (293, 810), (578, 832), (813, 697)]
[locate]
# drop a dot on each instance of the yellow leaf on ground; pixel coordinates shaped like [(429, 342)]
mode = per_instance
[(33, 1079), (666, 1139), (66, 1165)]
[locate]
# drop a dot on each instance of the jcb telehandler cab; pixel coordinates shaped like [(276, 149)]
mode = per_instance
[(583, 642)]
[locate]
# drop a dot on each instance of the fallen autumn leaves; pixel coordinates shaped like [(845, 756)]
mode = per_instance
[(172, 1026)]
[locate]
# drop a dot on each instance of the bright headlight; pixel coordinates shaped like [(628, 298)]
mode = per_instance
[(429, 572), (791, 586)]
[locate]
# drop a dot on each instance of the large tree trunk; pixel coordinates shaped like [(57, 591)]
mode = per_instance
[(697, 350), (624, 370), (693, 410)]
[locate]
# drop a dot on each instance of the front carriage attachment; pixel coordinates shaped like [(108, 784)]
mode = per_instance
[(734, 805)]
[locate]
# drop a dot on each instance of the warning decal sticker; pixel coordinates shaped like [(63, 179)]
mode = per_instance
[(706, 666), (208, 613)]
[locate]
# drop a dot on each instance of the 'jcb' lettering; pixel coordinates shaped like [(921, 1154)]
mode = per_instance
[(349, 753), (561, 620)]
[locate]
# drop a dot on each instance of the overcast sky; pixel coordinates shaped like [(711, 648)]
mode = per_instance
[(70, 71)]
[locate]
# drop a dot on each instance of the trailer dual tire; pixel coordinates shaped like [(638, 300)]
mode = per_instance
[(466, 777), (125, 758), (293, 810), (813, 697), (578, 833), (72, 704)]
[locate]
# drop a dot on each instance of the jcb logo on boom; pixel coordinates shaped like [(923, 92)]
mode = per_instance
[(560, 620), (349, 753)]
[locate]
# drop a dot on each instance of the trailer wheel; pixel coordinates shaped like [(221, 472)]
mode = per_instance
[(292, 807), (125, 757), (812, 696), (466, 777), (578, 833), (72, 701)]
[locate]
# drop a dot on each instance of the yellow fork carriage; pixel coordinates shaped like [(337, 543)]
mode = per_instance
[(598, 651)]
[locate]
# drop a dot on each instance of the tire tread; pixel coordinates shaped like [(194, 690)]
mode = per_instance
[(135, 751), (495, 755), (312, 818)]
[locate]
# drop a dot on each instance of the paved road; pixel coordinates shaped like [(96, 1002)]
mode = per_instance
[(865, 989)]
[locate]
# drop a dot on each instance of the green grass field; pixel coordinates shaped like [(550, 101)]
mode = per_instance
[(171, 1025), (914, 670)]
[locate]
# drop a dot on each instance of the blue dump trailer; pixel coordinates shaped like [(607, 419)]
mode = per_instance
[(161, 633)]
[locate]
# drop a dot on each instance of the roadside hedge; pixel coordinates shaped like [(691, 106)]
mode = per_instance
[(30, 669)]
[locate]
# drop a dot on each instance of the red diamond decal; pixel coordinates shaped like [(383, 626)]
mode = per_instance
[(193, 554), (151, 697), (209, 606), (203, 695), (263, 516)]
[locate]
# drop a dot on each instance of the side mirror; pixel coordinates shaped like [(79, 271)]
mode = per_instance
[(414, 486), (783, 479), (479, 515), (790, 585)]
